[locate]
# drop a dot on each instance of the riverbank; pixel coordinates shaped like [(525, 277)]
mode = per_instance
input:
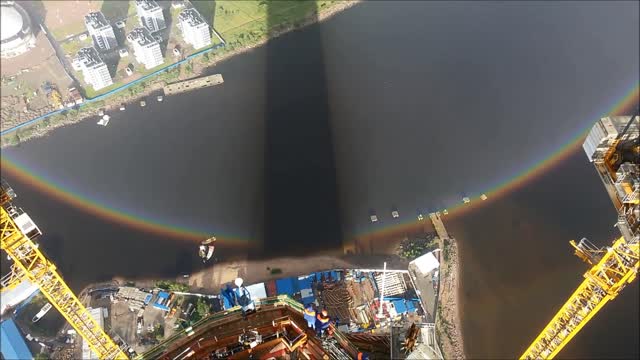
[(196, 67), (448, 322)]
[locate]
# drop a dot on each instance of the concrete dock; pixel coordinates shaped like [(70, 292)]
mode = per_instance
[(193, 84)]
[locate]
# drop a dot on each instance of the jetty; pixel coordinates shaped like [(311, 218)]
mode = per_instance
[(193, 84), (439, 226)]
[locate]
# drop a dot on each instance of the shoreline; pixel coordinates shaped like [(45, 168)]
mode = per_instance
[(449, 312), (44, 127)]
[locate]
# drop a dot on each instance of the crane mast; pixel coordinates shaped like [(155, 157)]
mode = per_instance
[(613, 146), (30, 263)]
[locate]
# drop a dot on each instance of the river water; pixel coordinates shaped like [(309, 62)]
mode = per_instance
[(408, 105)]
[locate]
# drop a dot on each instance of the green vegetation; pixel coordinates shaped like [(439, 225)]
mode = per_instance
[(71, 47), (446, 250), (41, 356), (47, 326), (158, 332), (412, 248), (116, 10), (172, 285)]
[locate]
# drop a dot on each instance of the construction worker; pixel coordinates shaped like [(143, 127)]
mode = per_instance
[(322, 322), (310, 316)]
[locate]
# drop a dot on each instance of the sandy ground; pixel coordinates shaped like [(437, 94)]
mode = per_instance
[(448, 323)]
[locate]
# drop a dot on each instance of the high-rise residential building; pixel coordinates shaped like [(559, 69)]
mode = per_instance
[(93, 69), (195, 30), (145, 48), (150, 15), (101, 31)]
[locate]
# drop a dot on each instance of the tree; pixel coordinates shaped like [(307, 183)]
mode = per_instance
[(202, 308)]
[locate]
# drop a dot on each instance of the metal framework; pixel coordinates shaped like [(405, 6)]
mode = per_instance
[(603, 282), (39, 270)]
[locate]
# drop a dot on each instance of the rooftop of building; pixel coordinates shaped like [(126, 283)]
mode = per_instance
[(89, 56), (96, 20), (147, 4), (12, 344), (191, 16), (142, 36)]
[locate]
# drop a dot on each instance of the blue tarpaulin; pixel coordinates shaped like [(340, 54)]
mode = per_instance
[(400, 306), (12, 344), (287, 286)]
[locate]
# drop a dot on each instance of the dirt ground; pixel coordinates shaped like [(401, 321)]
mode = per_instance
[(63, 18)]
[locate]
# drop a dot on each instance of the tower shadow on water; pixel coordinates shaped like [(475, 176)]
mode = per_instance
[(301, 214)]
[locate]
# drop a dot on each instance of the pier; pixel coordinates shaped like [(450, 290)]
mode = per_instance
[(439, 226), (193, 84)]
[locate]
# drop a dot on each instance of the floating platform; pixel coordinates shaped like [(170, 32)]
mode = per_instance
[(193, 84)]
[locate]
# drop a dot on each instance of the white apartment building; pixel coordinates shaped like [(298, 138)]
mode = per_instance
[(93, 69), (145, 48), (195, 30), (101, 32), (150, 15)]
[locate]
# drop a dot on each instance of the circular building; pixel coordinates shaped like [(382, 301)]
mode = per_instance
[(15, 30)]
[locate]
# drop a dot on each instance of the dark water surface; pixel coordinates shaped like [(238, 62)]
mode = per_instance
[(387, 104)]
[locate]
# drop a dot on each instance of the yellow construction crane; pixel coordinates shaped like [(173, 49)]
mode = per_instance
[(17, 235), (616, 155)]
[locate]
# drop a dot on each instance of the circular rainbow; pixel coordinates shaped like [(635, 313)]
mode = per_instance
[(54, 189)]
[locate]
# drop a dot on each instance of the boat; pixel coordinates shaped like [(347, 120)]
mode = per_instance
[(104, 121), (466, 200), (373, 216), (205, 251), (483, 197), (445, 212), (143, 103), (420, 215), (122, 107), (395, 213), (101, 112), (160, 98), (45, 309)]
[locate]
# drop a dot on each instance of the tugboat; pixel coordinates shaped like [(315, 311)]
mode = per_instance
[(206, 249)]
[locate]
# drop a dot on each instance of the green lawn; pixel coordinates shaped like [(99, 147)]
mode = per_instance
[(71, 47), (115, 10)]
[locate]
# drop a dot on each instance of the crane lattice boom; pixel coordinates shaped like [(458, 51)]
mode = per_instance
[(35, 266), (603, 282)]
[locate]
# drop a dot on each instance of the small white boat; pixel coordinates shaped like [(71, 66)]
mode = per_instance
[(160, 98), (395, 214), (122, 108), (466, 200), (420, 217), (45, 309), (143, 103), (445, 212), (205, 251), (104, 121), (101, 112), (483, 197), (373, 217)]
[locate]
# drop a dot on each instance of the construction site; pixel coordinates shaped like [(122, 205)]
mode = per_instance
[(332, 314)]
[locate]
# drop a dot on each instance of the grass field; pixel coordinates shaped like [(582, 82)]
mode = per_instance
[(242, 22)]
